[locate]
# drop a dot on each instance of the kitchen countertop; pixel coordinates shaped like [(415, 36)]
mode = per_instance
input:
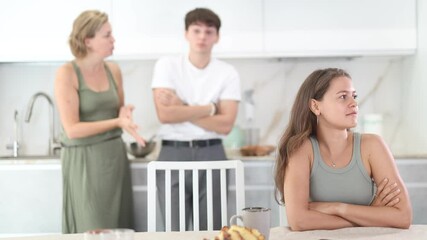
[(55, 160)]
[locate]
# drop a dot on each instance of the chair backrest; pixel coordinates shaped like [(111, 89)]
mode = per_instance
[(195, 166)]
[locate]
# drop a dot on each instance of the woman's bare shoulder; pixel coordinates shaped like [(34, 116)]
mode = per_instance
[(115, 70), (113, 66), (66, 74), (304, 151), (374, 148), (66, 68), (369, 140)]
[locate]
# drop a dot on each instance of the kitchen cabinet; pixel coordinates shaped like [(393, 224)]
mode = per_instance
[(30, 197), (149, 29), (339, 28), (270, 28), (31, 192), (38, 30), (146, 29), (413, 173)]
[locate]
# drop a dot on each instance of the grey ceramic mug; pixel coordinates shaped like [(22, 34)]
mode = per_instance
[(254, 217)]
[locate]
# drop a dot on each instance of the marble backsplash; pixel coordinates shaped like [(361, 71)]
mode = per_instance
[(381, 83)]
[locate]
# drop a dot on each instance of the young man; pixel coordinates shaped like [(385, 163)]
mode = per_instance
[(196, 98)]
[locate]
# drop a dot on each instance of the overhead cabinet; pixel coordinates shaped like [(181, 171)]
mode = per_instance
[(38, 30), (146, 29), (339, 28)]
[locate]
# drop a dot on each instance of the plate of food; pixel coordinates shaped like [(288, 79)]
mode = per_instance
[(236, 232)]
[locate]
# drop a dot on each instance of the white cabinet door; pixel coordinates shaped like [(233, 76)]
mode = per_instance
[(39, 30), (336, 27), (31, 198), (149, 29), (146, 28), (242, 27), (413, 173)]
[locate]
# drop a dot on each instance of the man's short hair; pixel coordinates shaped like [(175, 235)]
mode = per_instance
[(202, 15)]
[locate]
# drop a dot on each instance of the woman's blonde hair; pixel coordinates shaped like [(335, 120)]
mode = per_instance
[(85, 26)]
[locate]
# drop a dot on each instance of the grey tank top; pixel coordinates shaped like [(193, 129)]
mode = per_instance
[(350, 184), (95, 106)]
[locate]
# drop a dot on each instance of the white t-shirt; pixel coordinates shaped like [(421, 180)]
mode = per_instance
[(217, 81)]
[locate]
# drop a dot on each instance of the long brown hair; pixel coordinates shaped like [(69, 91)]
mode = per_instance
[(302, 122)]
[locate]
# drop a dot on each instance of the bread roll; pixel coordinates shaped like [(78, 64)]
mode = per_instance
[(236, 232)]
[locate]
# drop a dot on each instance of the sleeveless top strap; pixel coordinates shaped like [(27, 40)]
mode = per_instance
[(79, 75), (110, 76)]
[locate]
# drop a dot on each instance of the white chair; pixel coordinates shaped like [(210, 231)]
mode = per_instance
[(195, 166)]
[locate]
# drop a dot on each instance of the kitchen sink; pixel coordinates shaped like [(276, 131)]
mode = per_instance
[(29, 157)]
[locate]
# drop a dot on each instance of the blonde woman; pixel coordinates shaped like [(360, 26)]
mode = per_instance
[(89, 94)]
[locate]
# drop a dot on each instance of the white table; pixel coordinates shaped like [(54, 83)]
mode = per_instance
[(379, 233), (277, 233)]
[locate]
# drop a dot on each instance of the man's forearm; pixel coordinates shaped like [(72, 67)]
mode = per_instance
[(221, 124), (182, 113)]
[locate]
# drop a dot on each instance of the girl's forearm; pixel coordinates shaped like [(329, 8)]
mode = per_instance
[(375, 216)]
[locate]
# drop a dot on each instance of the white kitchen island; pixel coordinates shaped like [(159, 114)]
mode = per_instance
[(31, 192), (30, 196)]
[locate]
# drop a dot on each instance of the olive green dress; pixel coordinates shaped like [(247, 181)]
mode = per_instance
[(97, 190)]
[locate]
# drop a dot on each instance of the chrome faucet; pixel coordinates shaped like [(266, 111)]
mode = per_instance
[(14, 146), (53, 142)]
